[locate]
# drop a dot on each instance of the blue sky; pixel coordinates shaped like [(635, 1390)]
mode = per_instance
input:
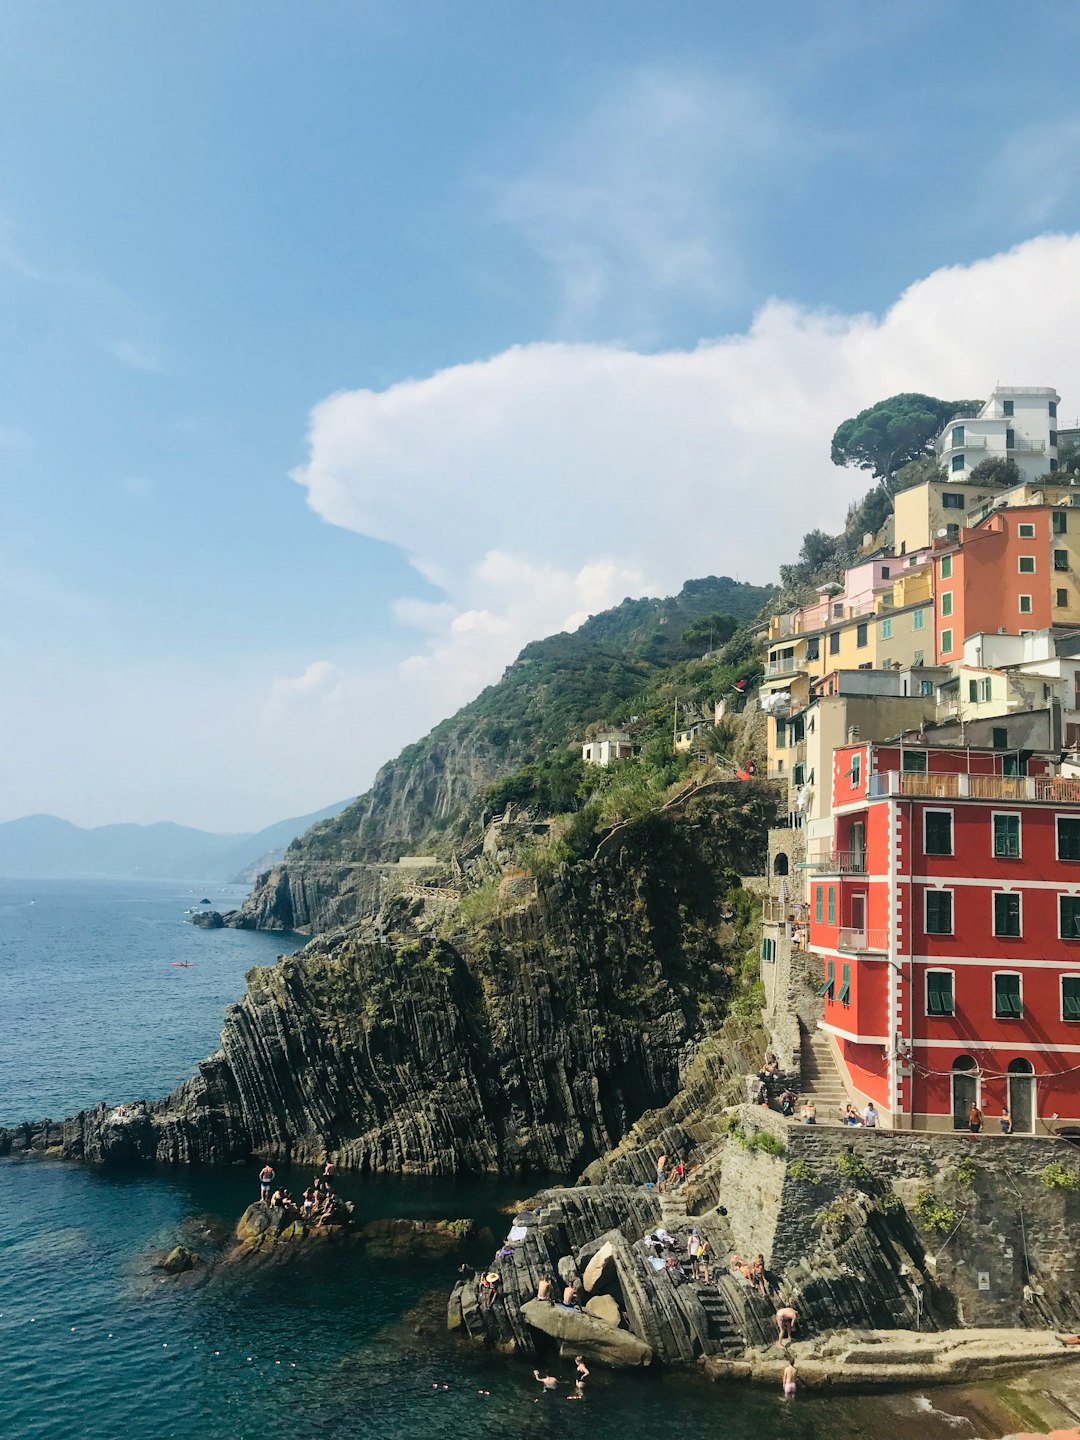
[(464, 221)]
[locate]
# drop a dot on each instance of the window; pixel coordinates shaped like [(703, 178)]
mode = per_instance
[(946, 641), (781, 735), (986, 688), (826, 989), (1025, 604), (1026, 532), (834, 643), (768, 950), (1070, 997), (1051, 409), (1053, 437), (844, 998), (798, 775), (860, 635), (952, 502), (1069, 917), (939, 993), (1068, 837), (999, 737), (1062, 598), (1007, 915), (856, 771), (938, 832), (1053, 465), (884, 572), (1059, 520), (1026, 564), (973, 691), (886, 629), (926, 687), (838, 610), (946, 604), (914, 762), (817, 904), (946, 567), (1007, 407), (1061, 560), (1012, 765), (832, 904), (957, 462), (1007, 1002), (1010, 439), (957, 436), (939, 912), (1007, 837), (918, 619), (813, 649)]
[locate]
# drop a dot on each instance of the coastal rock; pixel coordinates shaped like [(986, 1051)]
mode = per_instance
[(179, 1260), (582, 1334), (599, 1269), (208, 919), (606, 1309), (405, 1239), (528, 1041)]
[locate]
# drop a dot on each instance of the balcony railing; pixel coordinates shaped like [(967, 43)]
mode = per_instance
[(1053, 789), (784, 912), (790, 666), (838, 862), (864, 942)]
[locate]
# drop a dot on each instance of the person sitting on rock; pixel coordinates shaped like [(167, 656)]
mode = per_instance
[(809, 1113), (489, 1288), (756, 1275), (266, 1181), (278, 1200), (678, 1175), (543, 1290), (786, 1320), (570, 1296), (787, 1103)]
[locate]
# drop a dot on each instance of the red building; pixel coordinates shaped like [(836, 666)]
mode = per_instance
[(948, 924)]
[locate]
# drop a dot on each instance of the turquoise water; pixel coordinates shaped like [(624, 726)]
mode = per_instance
[(94, 1343)]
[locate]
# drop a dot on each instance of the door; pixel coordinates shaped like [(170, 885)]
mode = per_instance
[(965, 1089), (1022, 1097), (858, 912), (857, 842)]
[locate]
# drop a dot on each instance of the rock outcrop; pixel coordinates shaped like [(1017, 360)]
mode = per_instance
[(529, 1041)]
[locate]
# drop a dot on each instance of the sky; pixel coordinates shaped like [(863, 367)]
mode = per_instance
[(346, 347)]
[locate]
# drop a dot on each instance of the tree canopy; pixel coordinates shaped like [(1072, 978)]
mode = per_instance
[(894, 432), (996, 470)]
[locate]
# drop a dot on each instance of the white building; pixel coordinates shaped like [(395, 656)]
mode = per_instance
[(1018, 422), (610, 746)]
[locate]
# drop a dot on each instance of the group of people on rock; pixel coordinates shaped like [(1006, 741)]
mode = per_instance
[(750, 1272), (320, 1205), (669, 1176)]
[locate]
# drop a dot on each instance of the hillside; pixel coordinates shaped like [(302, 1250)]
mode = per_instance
[(426, 798)]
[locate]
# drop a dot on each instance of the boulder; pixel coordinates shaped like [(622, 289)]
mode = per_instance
[(178, 1260), (600, 1269), (400, 1239), (582, 1334), (208, 920), (568, 1270), (605, 1308)]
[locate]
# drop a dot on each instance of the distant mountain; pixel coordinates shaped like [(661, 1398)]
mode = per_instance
[(44, 847)]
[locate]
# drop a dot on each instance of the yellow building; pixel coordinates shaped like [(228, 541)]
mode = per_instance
[(921, 513)]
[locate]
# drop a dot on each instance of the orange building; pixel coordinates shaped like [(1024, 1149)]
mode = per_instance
[(1013, 572)]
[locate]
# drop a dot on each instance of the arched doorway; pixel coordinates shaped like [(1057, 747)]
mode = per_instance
[(780, 864), (965, 1090), (1022, 1096)]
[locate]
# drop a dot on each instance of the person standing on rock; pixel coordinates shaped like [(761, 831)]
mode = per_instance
[(975, 1119), (266, 1181), (789, 1382), (701, 1264), (786, 1320), (1005, 1122), (870, 1115), (661, 1172)]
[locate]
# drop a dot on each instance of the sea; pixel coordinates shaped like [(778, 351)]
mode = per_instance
[(108, 993)]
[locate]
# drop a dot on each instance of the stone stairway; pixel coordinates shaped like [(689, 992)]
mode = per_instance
[(820, 1078), (673, 1211), (724, 1331)]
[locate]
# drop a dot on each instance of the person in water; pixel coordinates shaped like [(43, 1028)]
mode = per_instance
[(789, 1381), (266, 1181), (548, 1381), (582, 1372)]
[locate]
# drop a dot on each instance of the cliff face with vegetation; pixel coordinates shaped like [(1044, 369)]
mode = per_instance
[(525, 1039), (428, 799)]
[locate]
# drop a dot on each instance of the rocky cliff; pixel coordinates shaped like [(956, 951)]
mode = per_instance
[(529, 1039)]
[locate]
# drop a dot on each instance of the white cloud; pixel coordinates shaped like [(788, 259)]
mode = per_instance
[(549, 481)]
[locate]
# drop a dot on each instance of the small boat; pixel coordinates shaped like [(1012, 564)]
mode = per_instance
[(182, 964)]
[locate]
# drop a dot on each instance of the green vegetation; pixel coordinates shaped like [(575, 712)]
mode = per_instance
[(996, 470), (890, 1203), (1059, 1177), (894, 432), (799, 1170), (761, 1140), (934, 1214), (966, 1172), (854, 1168)]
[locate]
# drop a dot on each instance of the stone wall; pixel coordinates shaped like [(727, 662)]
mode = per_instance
[(1006, 1247)]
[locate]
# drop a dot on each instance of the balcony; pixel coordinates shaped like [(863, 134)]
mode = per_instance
[(839, 862), (1051, 789), (790, 666), (864, 942), (784, 912)]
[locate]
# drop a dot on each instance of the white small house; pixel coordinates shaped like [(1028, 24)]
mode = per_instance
[(1018, 422), (605, 748)]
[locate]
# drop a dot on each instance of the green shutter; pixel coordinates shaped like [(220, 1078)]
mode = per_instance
[(832, 904), (844, 998), (939, 992), (817, 904), (1007, 1005), (1070, 997), (825, 989)]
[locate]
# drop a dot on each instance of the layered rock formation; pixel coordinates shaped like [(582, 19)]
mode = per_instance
[(530, 1041)]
